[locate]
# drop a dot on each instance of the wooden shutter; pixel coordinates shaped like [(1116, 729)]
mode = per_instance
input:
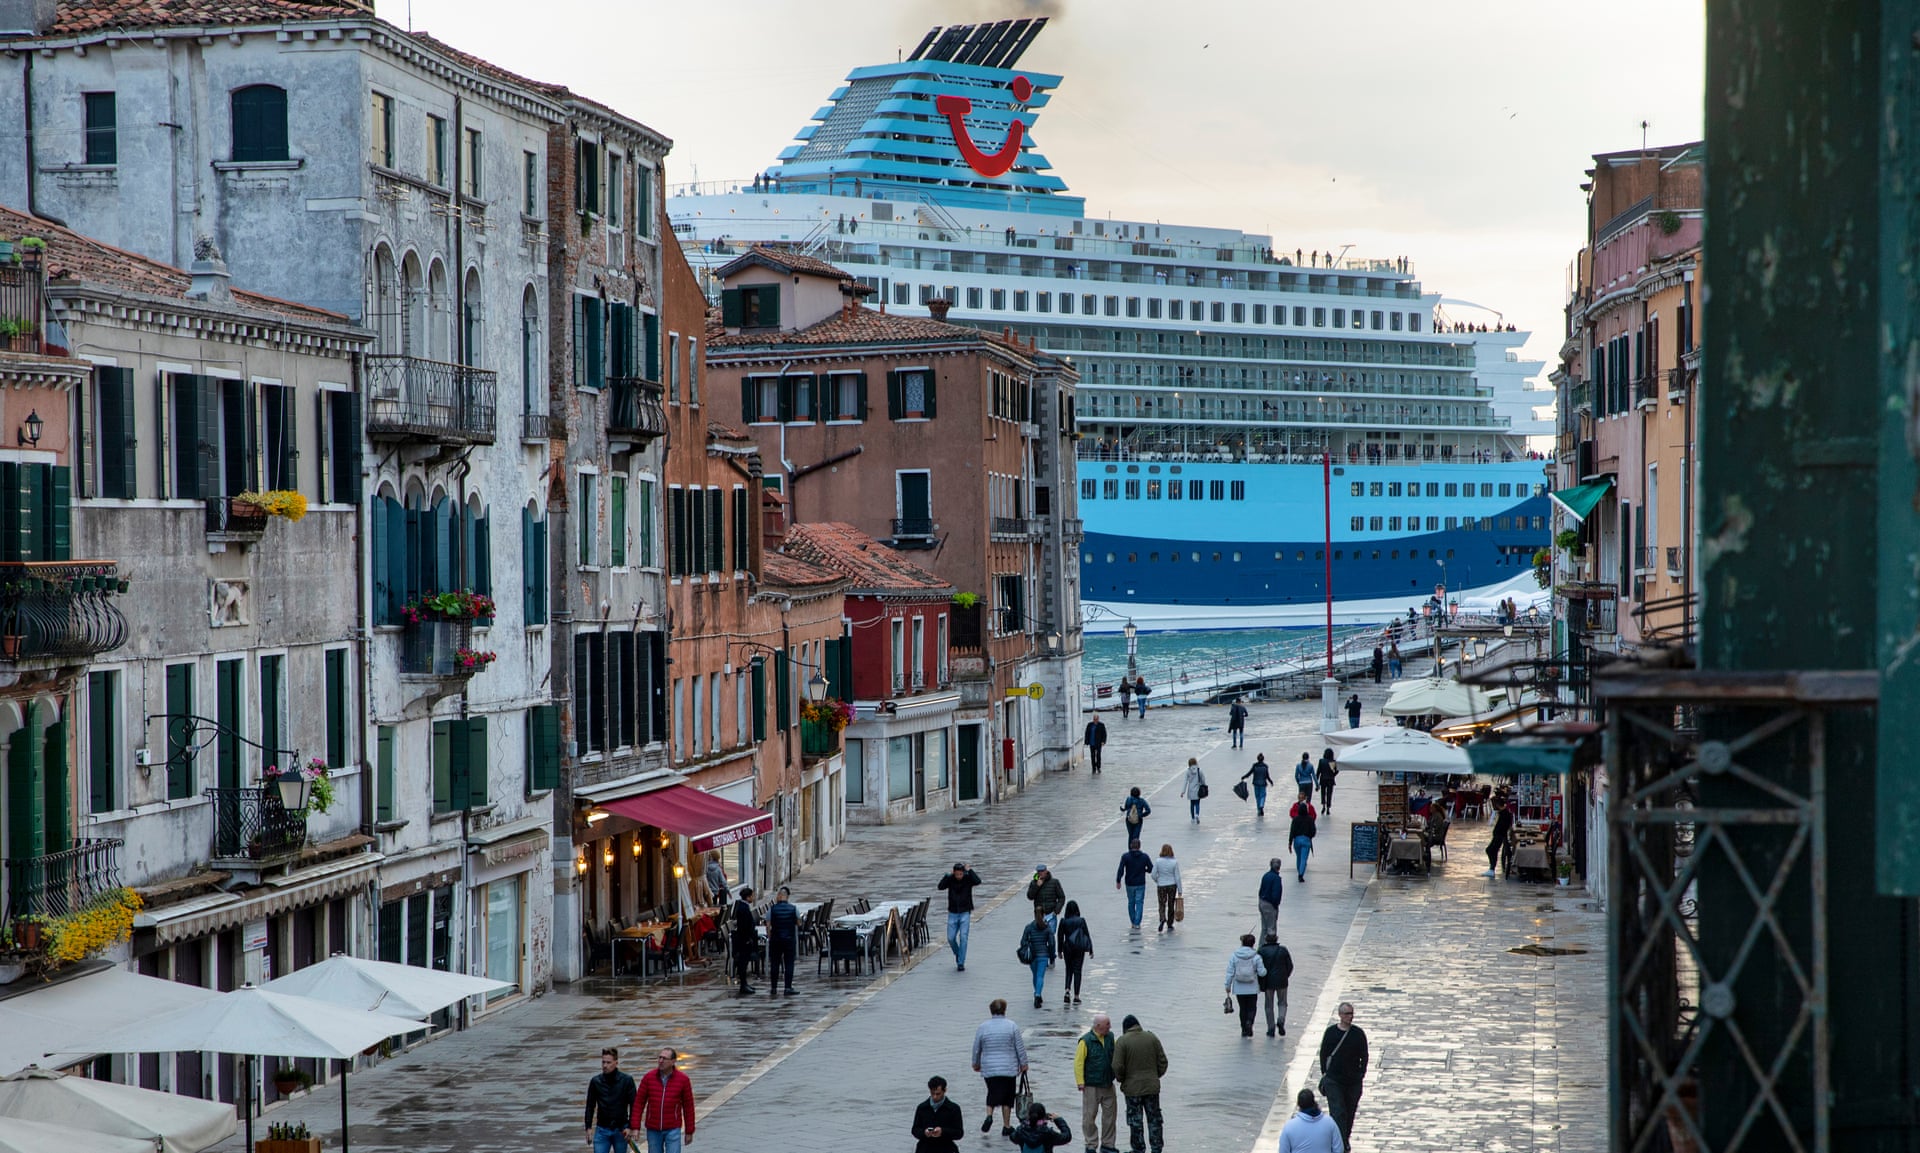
[(582, 689), (748, 413), (651, 323), (443, 746), (383, 773), (676, 532), (730, 308), (769, 311), (272, 684), (932, 407), (115, 433), (596, 343), (26, 800), (336, 668), (759, 699), (844, 674), (540, 570), (543, 748), (859, 399), (206, 432), (483, 554), (741, 526), (347, 447), (657, 682), (529, 572), (59, 797), (716, 530), (56, 539), (830, 667), (102, 740), (579, 337), (180, 750), (382, 562), (402, 567), (442, 550), (226, 754), (19, 512), (477, 766), (896, 396), (617, 520), (782, 692)]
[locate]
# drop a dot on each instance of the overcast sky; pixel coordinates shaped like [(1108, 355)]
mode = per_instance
[(1455, 133)]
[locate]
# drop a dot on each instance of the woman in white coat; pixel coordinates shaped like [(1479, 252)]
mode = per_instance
[(1194, 787), (1166, 881)]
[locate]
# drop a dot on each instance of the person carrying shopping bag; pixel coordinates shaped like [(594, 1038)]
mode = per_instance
[(1036, 951)]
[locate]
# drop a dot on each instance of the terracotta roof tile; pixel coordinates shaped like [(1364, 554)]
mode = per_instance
[(81, 16), (71, 256), (792, 572), (860, 326), (784, 259), (870, 565)]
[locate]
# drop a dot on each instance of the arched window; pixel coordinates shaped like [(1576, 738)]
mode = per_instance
[(439, 313), (533, 565), (472, 309), (533, 381), (386, 303), (413, 306), (259, 123)]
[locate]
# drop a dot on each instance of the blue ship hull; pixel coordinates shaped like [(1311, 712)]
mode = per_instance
[(1260, 560)]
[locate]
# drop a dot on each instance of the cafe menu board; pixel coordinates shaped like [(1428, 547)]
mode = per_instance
[(1364, 846), (1393, 807)]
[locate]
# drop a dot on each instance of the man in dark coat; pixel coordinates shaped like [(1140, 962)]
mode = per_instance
[(937, 1123), (1343, 1065), (783, 941), (1096, 740), (746, 936)]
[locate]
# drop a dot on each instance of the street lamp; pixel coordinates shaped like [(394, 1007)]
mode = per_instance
[(294, 787), (817, 688), (1480, 649), (1133, 647)]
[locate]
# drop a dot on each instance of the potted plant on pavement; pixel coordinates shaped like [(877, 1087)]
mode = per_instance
[(288, 1078), (1565, 871)]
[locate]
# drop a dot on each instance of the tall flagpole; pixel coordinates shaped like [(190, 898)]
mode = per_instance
[(1326, 485)]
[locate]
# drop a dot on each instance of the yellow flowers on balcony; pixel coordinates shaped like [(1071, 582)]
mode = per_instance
[(277, 502), (105, 921)]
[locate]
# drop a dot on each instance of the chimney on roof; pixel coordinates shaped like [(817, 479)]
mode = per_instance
[(938, 307), (209, 272), (33, 17)]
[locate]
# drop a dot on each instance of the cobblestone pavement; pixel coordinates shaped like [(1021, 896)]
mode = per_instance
[(1464, 1033)]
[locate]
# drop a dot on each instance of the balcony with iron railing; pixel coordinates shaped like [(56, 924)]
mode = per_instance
[(818, 740), (438, 649), (250, 824), (635, 413), (914, 532), (1677, 382), (1676, 561), (234, 520), (60, 610), (22, 293), (1012, 527), (410, 398), (56, 884), (1646, 391)]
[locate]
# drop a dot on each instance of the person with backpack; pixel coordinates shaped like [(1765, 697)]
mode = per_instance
[(1076, 945), (1262, 774), (1326, 775), (1194, 788), (1135, 868), (1134, 812), (1036, 951), (1041, 1131), (1237, 725), (1273, 983), (1303, 773), (1244, 970), (1301, 832)]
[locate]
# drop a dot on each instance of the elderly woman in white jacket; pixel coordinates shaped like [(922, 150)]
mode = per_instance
[(1166, 880)]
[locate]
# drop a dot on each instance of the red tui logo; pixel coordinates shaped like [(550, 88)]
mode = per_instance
[(996, 164)]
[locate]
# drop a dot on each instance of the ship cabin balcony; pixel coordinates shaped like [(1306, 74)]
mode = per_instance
[(411, 398)]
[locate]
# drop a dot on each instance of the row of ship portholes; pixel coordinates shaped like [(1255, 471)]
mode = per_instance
[(1234, 558)]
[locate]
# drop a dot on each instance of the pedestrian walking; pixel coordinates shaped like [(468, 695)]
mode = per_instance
[(1237, 724), (1303, 773), (1343, 1066), (1096, 740), (1166, 880), (1138, 1064), (783, 940), (1047, 896), (1273, 983), (1041, 1131), (610, 1105), (746, 937), (663, 1104), (1353, 711), (1501, 844), (1000, 1057), (716, 882), (1395, 662), (1301, 832), (937, 1122), (1140, 694), (1135, 868), (1272, 888), (1326, 775), (1262, 774), (1194, 788), (1309, 1130), (1379, 663), (1134, 812), (1126, 698), (1036, 951), (1244, 970), (959, 885), (1075, 943), (1093, 1073)]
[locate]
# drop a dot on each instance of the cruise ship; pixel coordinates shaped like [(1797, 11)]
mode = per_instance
[(1244, 407)]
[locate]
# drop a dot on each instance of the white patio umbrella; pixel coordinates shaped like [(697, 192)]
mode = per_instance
[(251, 1020), (382, 986), (81, 1007), (18, 1136), (1407, 751), (1434, 696), (1347, 738), (179, 1124)]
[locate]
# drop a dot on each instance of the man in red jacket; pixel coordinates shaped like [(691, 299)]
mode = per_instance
[(663, 1106)]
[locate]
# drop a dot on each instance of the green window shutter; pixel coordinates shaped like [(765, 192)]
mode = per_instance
[(206, 414), (543, 754), (116, 433), (657, 682), (933, 408), (529, 572), (716, 530), (477, 762), (483, 554), (399, 561), (651, 324), (59, 797), (102, 711), (19, 504), (741, 526), (347, 446), (647, 555), (830, 667), (336, 708), (443, 746), (596, 343), (582, 690), (759, 699), (769, 305), (180, 750), (227, 772), (896, 397), (859, 399), (845, 673), (272, 682), (782, 692), (676, 531), (617, 520), (383, 773), (730, 309), (696, 533), (57, 541), (748, 413), (26, 797), (785, 393), (540, 571), (579, 338), (442, 553)]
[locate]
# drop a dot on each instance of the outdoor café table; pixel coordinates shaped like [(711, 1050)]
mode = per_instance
[(1531, 857), (644, 932), (1405, 852), (873, 927)]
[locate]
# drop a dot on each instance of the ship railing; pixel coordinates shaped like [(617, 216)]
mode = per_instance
[(1195, 680), (1091, 451)]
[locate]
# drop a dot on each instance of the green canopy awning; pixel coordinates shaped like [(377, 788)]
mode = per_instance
[(1582, 498), (1521, 758)]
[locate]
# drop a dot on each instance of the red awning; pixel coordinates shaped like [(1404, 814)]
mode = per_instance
[(711, 821)]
